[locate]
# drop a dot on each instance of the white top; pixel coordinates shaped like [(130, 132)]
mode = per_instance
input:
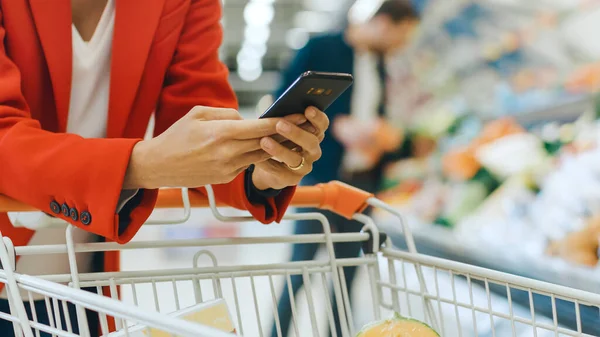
[(88, 110), (88, 117), (366, 93)]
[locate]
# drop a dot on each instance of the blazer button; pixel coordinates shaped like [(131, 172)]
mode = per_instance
[(55, 207), (86, 218), (74, 214), (65, 210)]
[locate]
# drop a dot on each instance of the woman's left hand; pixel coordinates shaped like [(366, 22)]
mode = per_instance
[(294, 158)]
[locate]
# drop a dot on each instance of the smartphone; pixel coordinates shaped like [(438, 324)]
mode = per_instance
[(312, 88)]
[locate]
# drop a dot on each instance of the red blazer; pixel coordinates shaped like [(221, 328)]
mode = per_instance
[(164, 59)]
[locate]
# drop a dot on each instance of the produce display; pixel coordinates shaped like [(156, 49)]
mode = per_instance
[(580, 247), (538, 190), (498, 58), (397, 326), (460, 92)]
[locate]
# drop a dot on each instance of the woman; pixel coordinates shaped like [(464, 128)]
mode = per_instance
[(79, 80)]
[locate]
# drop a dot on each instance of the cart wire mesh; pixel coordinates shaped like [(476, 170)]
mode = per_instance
[(455, 299)]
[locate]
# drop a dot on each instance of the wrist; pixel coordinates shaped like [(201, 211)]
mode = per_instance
[(139, 173), (259, 183)]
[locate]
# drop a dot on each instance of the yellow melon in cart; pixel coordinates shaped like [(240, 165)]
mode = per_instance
[(398, 326)]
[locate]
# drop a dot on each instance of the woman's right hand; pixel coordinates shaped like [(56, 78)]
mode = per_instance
[(206, 146)]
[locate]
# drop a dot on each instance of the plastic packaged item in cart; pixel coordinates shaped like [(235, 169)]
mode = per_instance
[(213, 314), (35, 220)]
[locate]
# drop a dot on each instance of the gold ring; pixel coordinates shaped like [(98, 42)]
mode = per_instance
[(300, 166)]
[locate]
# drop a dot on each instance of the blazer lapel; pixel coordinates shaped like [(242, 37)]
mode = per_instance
[(135, 26), (53, 22)]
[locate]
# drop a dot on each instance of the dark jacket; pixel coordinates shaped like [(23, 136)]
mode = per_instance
[(332, 54)]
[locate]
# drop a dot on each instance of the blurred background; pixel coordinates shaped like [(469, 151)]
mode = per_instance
[(476, 72), (500, 98), (262, 36), (543, 46)]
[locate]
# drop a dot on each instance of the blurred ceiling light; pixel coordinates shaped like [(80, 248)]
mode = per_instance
[(249, 62), (249, 65), (258, 14), (263, 104), (246, 61), (253, 50), (363, 10), (257, 34), (313, 21), (324, 5), (296, 38), (249, 75)]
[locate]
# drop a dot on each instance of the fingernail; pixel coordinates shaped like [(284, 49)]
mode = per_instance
[(267, 143), (311, 129), (311, 113), (284, 127)]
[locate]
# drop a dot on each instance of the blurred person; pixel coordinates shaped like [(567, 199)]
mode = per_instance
[(362, 140), (79, 81)]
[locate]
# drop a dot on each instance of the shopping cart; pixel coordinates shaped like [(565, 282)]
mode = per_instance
[(455, 299)]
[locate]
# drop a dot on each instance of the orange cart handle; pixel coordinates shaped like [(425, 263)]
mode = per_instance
[(335, 196)]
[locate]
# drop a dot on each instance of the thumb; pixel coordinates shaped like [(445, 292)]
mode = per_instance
[(211, 114)]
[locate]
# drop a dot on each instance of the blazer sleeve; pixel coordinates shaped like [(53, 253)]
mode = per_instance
[(67, 176), (196, 76)]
